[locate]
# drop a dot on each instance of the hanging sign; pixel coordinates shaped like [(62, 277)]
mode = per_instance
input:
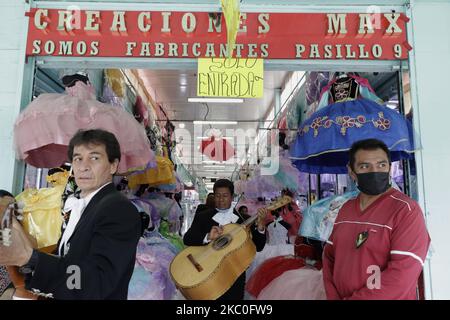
[(234, 77), (165, 34)]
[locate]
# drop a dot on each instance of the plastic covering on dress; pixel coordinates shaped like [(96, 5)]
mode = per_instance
[(314, 84), (168, 210), (281, 174), (173, 237), (147, 207), (110, 97), (318, 218), (151, 278)]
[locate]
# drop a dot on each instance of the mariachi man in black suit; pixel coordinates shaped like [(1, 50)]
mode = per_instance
[(208, 225), (96, 253)]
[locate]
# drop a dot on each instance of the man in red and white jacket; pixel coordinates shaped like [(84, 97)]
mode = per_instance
[(379, 240)]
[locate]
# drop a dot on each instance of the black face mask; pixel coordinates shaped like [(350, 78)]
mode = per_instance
[(373, 183)]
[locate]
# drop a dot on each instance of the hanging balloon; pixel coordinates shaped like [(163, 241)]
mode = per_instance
[(217, 148)]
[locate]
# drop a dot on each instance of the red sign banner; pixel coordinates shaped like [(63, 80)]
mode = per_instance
[(156, 34)]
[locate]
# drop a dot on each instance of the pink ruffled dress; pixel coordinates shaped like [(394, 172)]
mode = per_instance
[(44, 128)]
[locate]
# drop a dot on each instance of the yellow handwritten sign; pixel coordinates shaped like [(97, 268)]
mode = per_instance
[(234, 77)]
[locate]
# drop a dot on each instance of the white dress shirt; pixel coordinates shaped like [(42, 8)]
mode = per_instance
[(76, 207), (223, 217)]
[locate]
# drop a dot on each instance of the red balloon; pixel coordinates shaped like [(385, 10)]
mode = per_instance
[(217, 149)]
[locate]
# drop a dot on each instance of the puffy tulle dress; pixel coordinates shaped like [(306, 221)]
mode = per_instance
[(42, 214), (44, 128), (272, 176), (151, 278), (168, 210), (277, 244), (324, 139), (269, 270), (147, 207), (318, 219), (304, 283)]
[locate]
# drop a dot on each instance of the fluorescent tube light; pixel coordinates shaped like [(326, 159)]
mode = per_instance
[(216, 100), (214, 166), (215, 122), (230, 138)]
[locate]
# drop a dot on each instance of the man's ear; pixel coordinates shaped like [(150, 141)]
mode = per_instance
[(351, 173), (114, 166)]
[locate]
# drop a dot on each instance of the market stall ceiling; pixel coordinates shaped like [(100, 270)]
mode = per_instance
[(172, 88)]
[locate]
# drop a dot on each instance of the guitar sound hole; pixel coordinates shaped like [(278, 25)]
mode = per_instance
[(222, 242)]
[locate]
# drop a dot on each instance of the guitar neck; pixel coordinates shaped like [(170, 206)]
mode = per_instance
[(6, 222), (281, 202), (247, 223)]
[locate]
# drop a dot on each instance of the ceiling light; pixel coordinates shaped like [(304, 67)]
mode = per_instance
[(231, 138), (215, 122), (216, 100), (214, 166), (181, 125)]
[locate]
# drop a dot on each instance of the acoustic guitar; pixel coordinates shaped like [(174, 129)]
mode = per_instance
[(6, 226), (207, 272)]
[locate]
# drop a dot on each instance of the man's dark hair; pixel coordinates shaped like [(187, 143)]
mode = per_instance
[(97, 137), (210, 201), (242, 207), (224, 183), (4, 193), (287, 192), (367, 144)]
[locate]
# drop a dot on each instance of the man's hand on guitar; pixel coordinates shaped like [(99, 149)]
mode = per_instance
[(216, 231), (260, 222), (20, 250)]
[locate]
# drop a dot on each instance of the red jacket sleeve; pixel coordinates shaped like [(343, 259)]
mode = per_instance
[(327, 270), (409, 246)]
